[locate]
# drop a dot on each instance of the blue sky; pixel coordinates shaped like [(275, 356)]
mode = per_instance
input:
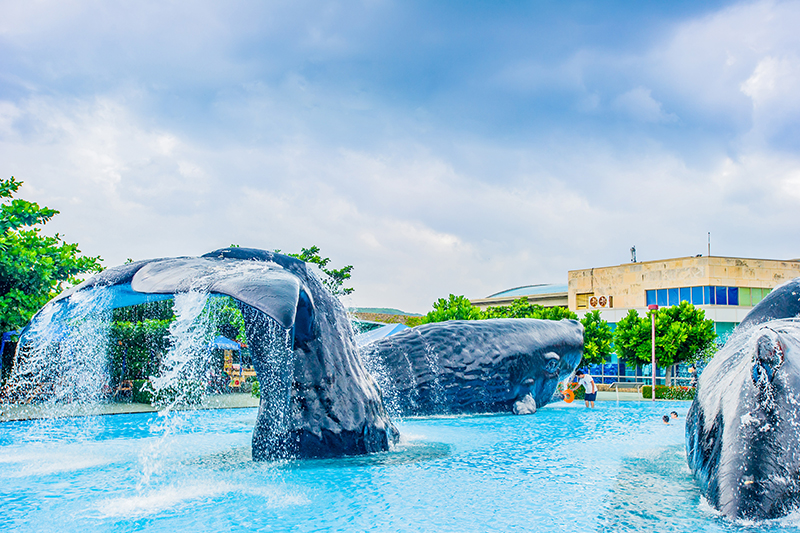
[(439, 147)]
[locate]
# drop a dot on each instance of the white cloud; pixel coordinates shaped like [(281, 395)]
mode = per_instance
[(640, 105), (711, 63)]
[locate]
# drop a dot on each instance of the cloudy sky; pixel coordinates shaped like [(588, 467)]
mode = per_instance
[(439, 147)]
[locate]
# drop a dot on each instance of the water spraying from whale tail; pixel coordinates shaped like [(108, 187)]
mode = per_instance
[(61, 356), (181, 372)]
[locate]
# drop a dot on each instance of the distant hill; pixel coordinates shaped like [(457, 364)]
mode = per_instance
[(380, 311), (385, 315)]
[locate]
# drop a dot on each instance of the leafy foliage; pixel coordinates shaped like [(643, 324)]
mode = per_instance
[(335, 278), (669, 393), (522, 308), (597, 339), (33, 267), (139, 335), (137, 347), (453, 308), (682, 334)]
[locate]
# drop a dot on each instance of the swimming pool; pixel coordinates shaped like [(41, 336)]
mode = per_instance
[(566, 468)]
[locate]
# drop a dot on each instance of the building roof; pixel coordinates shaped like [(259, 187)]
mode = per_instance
[(528, 290)]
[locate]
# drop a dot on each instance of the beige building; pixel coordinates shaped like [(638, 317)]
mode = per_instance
[(725, 287)]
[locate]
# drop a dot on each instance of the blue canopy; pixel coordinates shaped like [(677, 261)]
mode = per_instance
[(384, 331), (224, 343)]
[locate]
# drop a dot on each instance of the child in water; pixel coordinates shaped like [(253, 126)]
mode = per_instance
[(665, 418)]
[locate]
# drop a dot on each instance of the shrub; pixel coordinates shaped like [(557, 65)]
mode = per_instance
[(141, 391), (182, 393), (669, 393)]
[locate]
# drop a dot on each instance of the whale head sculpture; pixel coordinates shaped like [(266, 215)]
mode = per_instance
[(316, 398), (473, 366), (743, 428)]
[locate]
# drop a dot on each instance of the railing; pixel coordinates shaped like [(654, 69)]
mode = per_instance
[(623, 379), (617, 372)]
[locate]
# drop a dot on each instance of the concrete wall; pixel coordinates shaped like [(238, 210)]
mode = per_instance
[(628, 282)]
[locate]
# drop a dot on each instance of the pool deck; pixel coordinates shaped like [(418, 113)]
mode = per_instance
[(219, 401), (28, 412), (623, 396)]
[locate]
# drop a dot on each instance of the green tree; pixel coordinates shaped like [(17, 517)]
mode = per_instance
[(334, 278), (522, 308), (453, 308), (33, 267), (597, 339), (683, 334)]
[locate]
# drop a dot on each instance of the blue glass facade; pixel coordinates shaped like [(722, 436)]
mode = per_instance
[(708, 295)]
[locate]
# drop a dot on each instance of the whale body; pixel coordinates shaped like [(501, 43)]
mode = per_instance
[(475, 366), (743, 428), (316, 398)]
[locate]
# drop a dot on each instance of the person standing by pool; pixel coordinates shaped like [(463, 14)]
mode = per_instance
[(589, 386)]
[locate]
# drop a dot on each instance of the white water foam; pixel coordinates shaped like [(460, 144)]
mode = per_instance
[(21, 464), (177, 496)]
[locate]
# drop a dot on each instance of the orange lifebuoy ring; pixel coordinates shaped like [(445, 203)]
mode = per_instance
[(569, 396)]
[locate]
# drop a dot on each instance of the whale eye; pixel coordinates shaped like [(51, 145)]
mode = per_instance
[(551, 360), (767, 359)]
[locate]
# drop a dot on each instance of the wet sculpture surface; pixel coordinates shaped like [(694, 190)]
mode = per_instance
[(316, 398), (743, 428), (476, 366)]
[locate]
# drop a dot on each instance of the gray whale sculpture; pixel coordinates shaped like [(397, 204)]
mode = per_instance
[(316, 399), (475, 366), (743, 428)]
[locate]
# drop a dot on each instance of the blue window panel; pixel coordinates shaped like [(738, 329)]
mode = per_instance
[(662, 298), (708, 296), (651, 297), (722, 295), (686, 294), (673, 297), (733, 295), (697, 295)]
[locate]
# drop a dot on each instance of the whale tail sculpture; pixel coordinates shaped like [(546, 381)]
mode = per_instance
[(317, 400), (743, 428), (469, 366)]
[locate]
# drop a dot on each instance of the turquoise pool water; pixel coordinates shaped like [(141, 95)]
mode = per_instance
[(566, 468)]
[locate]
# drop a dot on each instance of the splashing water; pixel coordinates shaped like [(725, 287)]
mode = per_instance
[(178, 382), (437, 390), (391, 396), (275, 372), (62, 357)]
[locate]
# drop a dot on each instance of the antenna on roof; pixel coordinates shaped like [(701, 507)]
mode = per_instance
[(633, 254), (709, 244)]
